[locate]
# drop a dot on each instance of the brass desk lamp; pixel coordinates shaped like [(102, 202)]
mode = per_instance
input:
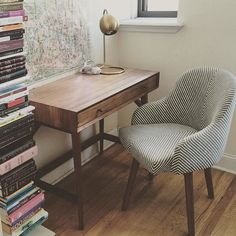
[(109, 25)]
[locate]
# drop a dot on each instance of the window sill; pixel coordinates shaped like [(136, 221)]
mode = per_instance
[(151, 25)]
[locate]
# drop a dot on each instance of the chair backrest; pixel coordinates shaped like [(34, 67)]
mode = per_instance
[(202, 96)]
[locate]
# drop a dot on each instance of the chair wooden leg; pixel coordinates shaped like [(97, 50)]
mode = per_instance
[(188, 179), (130, 185), (208, 177)]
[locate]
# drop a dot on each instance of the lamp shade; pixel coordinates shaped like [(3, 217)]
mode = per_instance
[(109, 25)]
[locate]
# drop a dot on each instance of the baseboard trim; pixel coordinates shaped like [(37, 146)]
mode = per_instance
[(227, 164), (66, 169)]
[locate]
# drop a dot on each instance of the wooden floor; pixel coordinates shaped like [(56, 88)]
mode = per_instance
[(157, 208)]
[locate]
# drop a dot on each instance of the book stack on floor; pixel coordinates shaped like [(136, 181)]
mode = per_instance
[(20, 200)]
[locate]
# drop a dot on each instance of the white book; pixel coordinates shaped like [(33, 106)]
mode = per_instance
[(11, 20), (14, 97), (15, 81), (13, 120), (4, 39), (16, 115), (13, 55)]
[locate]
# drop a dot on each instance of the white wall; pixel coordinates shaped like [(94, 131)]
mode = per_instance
[(207, 39)]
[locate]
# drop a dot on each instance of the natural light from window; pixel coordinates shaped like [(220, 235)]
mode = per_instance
[(163, 5)]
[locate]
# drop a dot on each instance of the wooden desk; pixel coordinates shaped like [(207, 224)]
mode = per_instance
[(78, 101)]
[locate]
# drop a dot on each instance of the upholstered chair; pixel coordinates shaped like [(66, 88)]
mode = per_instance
[(183, 132)]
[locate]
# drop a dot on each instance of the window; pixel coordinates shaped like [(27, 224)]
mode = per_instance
[(157, 8)]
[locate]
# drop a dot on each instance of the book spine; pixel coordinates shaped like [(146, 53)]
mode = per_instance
[(11, 138), (3, 68), (8, 111), (19, 224), (16, 177), (12, 55), (10, 45), (13, 76), (26, 208), (4, 14), (14, 101), (18, 160), (21, 198), (17, 125), (6, 100), (12, 70), (11, 20), (12, 13), (6, 220), (27, 216), (17, 102), (17, 185), (10, 1), (12, 61), (5, 39), (26, 224), (11, 52), (11, 27), (13, 7), (16, 36), (19, 193), (17, 114), (13, 90), (18, 173), (14, 151), (12, 37), (12, 32), (22, 202)]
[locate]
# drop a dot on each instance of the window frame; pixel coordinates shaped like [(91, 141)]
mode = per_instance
[(143, 11)]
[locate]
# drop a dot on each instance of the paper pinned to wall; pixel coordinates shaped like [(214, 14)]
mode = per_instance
[(57, 36)]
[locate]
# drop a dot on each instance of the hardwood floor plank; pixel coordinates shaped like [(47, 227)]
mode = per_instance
[(156, 208), (226, 224), (220, 209)]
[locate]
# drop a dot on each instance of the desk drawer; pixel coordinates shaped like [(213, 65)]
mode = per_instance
[(116, 102)]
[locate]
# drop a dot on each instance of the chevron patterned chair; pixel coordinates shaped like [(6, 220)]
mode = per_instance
[(183, 132)]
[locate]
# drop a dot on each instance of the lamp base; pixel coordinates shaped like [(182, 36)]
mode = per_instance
[(111, 70)]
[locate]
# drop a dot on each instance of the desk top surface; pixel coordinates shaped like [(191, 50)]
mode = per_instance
[(78, 92)]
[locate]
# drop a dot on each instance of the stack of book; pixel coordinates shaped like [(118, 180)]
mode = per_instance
[(20, 200)]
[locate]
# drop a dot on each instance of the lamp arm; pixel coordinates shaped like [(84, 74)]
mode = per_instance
[(104, 49)]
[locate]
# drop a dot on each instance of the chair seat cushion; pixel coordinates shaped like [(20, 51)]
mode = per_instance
[(153, 145)]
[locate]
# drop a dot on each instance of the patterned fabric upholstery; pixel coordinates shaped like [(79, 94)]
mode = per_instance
[(188, 129)]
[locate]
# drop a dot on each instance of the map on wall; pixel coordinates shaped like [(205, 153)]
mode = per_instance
[(57, 38)]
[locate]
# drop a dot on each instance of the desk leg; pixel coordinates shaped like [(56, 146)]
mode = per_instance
[(144, 99), (101, 133), (78, 177)]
